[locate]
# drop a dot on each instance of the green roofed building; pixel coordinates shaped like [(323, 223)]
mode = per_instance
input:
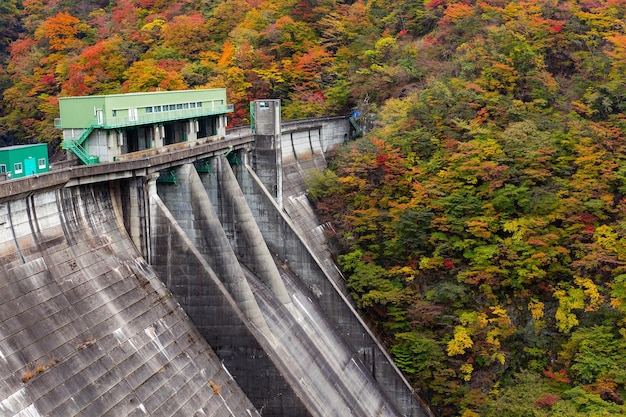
[(24, 160), (100, 128)]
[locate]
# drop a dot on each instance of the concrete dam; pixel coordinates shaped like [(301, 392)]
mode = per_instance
[(192, 280)]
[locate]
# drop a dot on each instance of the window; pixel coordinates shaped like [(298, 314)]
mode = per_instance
[(157, 109), (148, 109), (186, 106), (172, 106), (198, 104), (179, 106), (41, 162), (192, 105), (17, 167), (3, 168), (114, 113), (132, 115)]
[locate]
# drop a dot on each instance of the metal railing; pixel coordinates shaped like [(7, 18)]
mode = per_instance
[(154, 117), (163, 116)]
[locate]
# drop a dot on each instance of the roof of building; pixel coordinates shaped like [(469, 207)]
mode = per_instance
[(145, 93), (31, 145)]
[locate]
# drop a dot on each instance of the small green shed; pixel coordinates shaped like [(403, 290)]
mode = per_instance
[(24, 160)]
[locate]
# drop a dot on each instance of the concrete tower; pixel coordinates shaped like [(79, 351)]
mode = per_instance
[(267, 156)]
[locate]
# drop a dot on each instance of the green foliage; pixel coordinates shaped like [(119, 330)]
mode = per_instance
[(322, 184), (579, 403), (517, 397), (370, 283), (417, 356), (412, 231), (595, 353)]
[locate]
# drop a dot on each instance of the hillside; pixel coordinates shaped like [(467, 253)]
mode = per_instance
[(483, 220), (482, 217)]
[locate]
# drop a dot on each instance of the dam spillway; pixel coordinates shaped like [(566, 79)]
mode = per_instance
[(190, 297), (88, 328)]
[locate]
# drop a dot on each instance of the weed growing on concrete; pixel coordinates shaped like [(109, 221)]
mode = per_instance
[(216, 388), (28, 374), (39, 369), (86, 343)]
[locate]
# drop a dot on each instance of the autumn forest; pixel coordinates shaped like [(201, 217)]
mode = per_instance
[(481, 220)]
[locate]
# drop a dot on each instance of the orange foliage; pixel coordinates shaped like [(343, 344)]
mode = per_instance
[(61, 31)]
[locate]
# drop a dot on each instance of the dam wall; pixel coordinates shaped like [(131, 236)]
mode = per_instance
[(86, 326), (191, 282)]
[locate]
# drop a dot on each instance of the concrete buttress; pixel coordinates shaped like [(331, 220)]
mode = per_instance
[(193, 209), (300, 365), (250, 245), (184, 264), (292, 248)]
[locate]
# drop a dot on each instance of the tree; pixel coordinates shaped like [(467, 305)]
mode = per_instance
[(99, 70), (186, 34), (147, 75), (63, 32)]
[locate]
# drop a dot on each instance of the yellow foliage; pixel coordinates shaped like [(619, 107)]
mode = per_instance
[(503, 325), (478, 228), (460, 342), (565, 320), (501, 316), (536, 309), (499, 356), (481, 320), (492, 337), (591, 292), (572, 299), (616, 302), (467, 369), (607, 238), (154, 26), (405, 272), (495, 389)]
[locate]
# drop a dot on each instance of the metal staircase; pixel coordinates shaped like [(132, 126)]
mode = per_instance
[(76, 146), (358, 131)]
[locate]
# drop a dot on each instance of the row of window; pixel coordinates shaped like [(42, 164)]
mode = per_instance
[(18, 168), (170, 107)]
